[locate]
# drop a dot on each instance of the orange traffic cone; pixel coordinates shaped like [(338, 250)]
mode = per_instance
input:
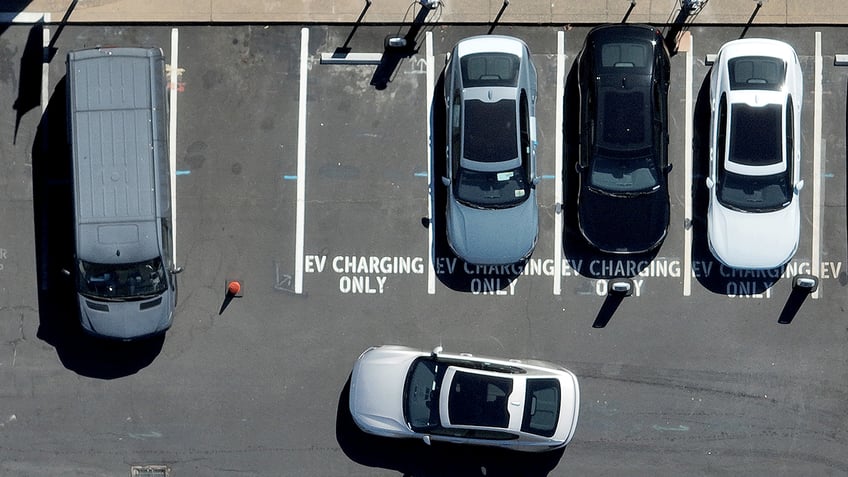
[(233, 288)]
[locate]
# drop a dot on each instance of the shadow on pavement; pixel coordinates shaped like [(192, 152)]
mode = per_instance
[(413, 458), (54, 240)]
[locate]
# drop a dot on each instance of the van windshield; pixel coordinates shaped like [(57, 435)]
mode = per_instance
[(119, 282)]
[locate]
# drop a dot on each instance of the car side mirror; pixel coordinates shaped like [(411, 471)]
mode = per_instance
[(426, 440), (710, 183), (799, 185), (535, 181), (437, 350), (446, 181), (579, 167), (668, 168), (175, 269)]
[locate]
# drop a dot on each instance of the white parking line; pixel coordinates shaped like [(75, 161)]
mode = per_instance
[(172, 139), (431, 271), (558, 151), (817, 166), (687, 172), (301, 163), (45, 68)]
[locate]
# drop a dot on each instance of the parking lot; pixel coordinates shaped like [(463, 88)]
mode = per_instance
[(319, 189)]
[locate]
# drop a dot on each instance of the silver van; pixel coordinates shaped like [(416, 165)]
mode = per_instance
[(125, 274)]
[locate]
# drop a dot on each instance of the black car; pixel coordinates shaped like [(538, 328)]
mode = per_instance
[(623, 75)]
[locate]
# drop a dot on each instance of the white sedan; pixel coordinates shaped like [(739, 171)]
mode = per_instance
[(527, 405), (756, 90)]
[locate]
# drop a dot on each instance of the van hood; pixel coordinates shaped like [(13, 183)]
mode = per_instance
[(127, 320), (117, 242)]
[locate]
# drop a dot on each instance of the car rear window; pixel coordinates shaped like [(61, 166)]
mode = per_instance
[(541, 407), (490, 69), (756, 72), (490, 133), (627, 56), (755, 134)]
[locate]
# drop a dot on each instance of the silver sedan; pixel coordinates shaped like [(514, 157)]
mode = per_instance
[(525, 405)]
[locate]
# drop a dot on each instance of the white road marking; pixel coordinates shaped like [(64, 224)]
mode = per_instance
[(558, 151), (817, 166), (172, 139), (687, 173), (431, 74), (301, 163), (45, 68)]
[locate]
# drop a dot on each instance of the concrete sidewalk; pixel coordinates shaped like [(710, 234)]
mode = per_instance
[(542, 12)]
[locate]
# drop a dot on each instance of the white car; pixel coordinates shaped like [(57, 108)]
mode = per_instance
[(756, 90), (526, 405)]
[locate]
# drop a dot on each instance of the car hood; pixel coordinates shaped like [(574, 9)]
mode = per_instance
[(754, 240), (624, 224), (376, 390), (493, 236)]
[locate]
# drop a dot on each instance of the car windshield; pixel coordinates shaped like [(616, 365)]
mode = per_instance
[(756, 72), (624, 175), (122, 281), (632, 55), (491, 190), (541, 407), (421, 394), (755, 134), (754, 193), (490, 69), (479, 400), (624, 122), (490, 132)]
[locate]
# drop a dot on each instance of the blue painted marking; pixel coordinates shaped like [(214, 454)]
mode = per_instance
[(421, 174), (829, 175), (183, 173), (290, 178), (548, 176)]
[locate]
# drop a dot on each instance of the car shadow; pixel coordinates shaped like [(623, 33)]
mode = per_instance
[(58, 310), (413, 458), (709, 272), (451, 270), (585, 259)]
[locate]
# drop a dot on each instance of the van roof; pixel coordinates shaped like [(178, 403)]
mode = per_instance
[(111, 101)]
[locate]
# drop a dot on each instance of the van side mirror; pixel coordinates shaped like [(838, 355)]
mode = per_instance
[(535, 181), (426, 440), (799, 185), (446, 181), (175, 269), (710, 183), (437, 350)]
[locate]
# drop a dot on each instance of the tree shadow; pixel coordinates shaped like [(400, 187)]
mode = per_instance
[(413, 458), (59, 320)]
